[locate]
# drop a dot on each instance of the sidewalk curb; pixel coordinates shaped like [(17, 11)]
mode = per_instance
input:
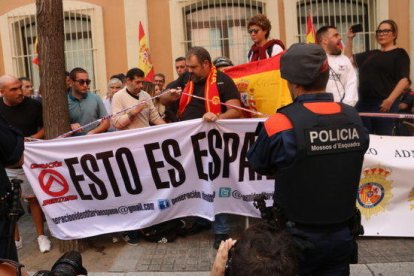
[(380, 269)]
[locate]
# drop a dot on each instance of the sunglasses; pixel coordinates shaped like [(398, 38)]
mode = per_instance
[(253, 31), (384, 31), (82, 82)]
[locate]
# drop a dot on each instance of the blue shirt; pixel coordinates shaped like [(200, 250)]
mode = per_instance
[(88, 109)]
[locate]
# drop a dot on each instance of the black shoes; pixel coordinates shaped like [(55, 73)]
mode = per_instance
[(218, 238)]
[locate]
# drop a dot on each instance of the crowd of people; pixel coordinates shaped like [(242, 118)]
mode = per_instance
[(381, 85)]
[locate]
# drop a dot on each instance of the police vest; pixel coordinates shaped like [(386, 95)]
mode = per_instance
[(320, 186)]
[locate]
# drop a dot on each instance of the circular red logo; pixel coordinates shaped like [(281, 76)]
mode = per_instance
[(53, 183)]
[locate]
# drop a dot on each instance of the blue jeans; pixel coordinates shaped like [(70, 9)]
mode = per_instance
[(221, 224), (379, 126), (331, 255)]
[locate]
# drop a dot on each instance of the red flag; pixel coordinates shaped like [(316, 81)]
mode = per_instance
[(35, 59), (144, 60), (310, 30)]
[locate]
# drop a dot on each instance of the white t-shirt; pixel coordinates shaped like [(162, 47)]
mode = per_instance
[(342, 81)]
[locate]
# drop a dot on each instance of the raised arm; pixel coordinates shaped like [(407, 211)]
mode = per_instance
[(348, 45)]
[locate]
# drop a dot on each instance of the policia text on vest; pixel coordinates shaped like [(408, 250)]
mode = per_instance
[(323, 140)]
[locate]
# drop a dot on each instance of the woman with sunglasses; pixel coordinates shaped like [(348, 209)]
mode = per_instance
[(383, 76), (259, 29)]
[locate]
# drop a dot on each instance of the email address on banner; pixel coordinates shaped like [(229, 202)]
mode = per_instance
[(105, 212)]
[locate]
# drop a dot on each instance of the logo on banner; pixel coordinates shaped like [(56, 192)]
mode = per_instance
[(374, 193), (163, 204), (225, 192), (411, 199), (49, 165), (53, 183)]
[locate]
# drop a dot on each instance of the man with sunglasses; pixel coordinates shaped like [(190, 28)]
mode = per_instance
[(85, 107), (315, 149)]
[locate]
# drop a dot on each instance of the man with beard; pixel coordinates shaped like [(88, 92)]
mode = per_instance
[(84, 106), (180, 67), (342, 77), (204, 80)]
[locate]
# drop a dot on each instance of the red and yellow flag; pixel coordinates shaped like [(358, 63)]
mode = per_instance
[(260, 85), (310, 30), (144, 60), (35, 59)]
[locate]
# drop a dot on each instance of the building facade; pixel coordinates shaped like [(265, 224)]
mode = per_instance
[(102, 35)]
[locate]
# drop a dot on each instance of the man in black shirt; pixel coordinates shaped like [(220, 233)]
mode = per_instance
[(203, 80), (24, 114)]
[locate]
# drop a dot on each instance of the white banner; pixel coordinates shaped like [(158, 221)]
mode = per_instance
[(386, 189), (132, 179), (136, 178)]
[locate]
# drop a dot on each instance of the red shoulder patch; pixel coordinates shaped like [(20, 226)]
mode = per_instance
[(323, 107), (277, 123)]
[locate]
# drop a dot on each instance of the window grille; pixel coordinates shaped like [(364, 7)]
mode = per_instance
[(79, 44), (342, 14), (220, 26)]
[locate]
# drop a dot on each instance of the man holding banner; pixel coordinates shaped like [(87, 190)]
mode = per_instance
[(221, 100), (132, 94), (315, 148)]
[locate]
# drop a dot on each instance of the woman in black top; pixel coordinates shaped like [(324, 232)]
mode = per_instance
[(383, 76)]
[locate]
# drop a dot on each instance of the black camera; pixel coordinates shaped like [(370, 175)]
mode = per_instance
[(70, 264)]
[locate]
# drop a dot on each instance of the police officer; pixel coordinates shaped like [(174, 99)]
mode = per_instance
[(11, 152), (315, 149)]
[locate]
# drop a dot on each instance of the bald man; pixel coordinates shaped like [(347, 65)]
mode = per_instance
[(24, 114)]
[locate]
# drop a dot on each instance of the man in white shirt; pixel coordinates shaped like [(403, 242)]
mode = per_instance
[(342, 82)]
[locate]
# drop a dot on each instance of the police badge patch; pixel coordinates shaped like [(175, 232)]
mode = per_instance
[(375, 191)]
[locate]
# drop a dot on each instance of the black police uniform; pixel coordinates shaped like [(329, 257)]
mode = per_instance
[(11, 150), (315, 148)]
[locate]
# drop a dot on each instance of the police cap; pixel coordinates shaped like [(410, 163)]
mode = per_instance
[(302, 63), (222, 62)]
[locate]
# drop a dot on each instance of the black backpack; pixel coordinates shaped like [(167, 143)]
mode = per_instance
[(164, 232)]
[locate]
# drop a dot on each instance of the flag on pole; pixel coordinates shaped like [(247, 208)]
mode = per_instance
[(310, 30), (144, 60), (35, 59)]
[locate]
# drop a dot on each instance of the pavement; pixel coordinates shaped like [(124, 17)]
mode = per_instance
[(194, 255)]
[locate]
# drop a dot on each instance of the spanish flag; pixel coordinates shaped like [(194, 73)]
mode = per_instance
[(310, 30), (260, 85), (144, 60), (35, 59)]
